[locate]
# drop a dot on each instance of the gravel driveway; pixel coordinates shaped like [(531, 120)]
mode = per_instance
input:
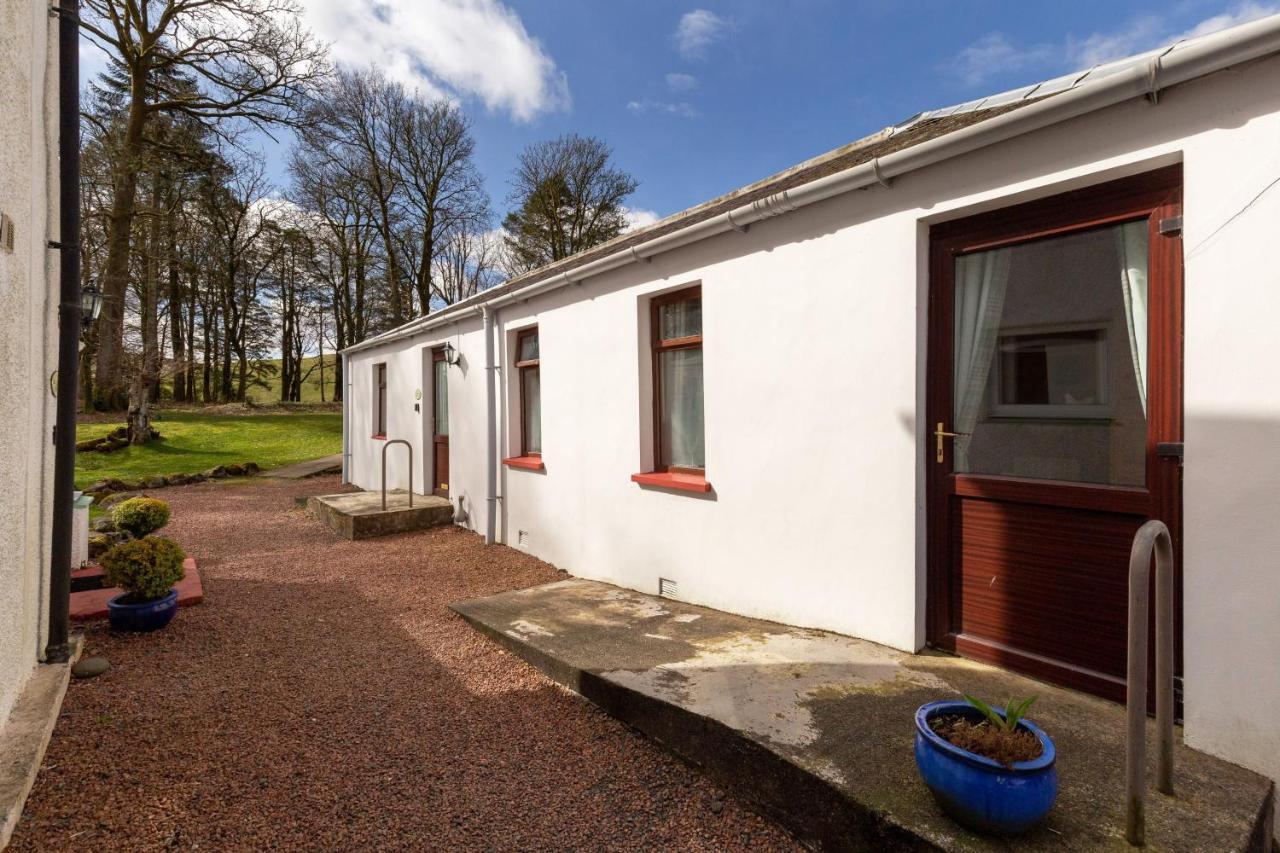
[(323, 697)]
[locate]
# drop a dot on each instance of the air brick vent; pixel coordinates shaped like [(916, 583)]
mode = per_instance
[(667, 588)]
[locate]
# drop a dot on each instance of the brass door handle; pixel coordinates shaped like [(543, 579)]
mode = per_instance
[(939, 434)]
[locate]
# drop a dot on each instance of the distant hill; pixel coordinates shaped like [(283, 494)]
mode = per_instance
[(310, 385)]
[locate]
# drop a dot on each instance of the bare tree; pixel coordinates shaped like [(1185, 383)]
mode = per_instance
[(249, 59), (443, 194), (467, 264), (568, 197), (354, 137)]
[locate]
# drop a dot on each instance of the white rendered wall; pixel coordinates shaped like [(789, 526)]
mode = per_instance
[(814, 369), (28, 284)]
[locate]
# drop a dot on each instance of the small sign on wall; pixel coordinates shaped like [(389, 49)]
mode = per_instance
[(6, 234)]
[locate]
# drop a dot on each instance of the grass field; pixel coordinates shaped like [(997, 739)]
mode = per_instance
[(310, 385), (194, 442)]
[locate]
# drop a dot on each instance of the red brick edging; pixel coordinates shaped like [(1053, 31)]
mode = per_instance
[(92, 603)]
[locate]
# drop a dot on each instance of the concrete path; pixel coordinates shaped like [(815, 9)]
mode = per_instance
[(310, 468), (817, 728), (25, 736)]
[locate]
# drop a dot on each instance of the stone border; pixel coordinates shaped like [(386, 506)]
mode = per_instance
[(105, 488)]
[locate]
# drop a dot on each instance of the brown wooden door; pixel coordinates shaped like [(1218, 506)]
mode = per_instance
[(1055, 365), (439, 423)]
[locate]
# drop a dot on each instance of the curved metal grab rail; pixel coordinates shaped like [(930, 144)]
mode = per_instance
[(384, 470), (1152, 537)]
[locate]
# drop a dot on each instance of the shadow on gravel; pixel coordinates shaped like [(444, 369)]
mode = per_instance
[(323, 697)]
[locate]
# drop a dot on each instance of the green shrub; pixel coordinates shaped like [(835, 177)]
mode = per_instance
[(145, 568), (140, 516)]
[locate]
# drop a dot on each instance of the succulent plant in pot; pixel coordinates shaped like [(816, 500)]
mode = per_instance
[(991, 769), (146, 569)]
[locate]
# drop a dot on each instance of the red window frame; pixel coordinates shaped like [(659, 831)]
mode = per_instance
[(380, 400), (659, 345)]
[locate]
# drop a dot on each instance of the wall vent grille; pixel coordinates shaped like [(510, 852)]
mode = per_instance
[(522, 537), (667, 588)]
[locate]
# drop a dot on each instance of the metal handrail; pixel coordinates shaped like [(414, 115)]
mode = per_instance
[(1152, 538), (384, 470)]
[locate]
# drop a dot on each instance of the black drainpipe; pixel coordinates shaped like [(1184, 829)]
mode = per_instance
[(64, 430)]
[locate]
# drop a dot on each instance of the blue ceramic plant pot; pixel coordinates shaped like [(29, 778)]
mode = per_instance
[(127, 615), (979, 793)]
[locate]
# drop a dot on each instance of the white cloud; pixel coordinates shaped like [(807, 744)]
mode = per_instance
[(697, 31), (681, 82), (1241, 14), (676, 108), (462, 48), (995, 56), (639, 217)]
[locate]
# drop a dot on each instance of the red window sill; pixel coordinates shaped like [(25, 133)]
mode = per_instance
[(528, 463), (672, 480)]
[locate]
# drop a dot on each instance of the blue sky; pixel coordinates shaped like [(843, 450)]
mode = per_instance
[(698, 98)]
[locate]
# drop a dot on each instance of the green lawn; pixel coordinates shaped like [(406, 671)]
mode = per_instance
[(194, 442)]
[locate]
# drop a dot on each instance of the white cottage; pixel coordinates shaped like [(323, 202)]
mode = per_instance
[(922, 389)]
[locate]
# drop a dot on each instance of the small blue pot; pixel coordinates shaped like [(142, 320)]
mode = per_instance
[(979, 793), (127, 615)]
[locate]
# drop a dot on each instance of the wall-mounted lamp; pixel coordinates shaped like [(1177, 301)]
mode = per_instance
[(90, 304), (451, 355)]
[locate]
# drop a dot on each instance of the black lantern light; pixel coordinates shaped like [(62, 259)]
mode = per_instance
[(90, 304), (451, 354)]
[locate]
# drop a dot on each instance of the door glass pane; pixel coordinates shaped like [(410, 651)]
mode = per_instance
[(681, 319), (1050, 358), (680, 374), (531, 402), (440, 394)]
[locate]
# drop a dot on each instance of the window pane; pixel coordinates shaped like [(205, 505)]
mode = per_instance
[(1051, 358), (680, 375), (680, 319), (380, 416), (528, 347), (441, 396), (531, 403), (1054, 368)]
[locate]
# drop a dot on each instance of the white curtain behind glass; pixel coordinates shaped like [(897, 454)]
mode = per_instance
[(1131, 244), (441, 380), (683, 441), (981, 281), (532, 409)]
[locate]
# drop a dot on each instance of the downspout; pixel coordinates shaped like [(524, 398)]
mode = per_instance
[(491, 431), (58, 649), (346, 419)]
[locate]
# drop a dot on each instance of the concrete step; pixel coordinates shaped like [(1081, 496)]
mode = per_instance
[(816, 728), (359, 515)]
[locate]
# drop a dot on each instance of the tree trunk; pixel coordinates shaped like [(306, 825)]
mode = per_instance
[(138, 421), (175, 316), (111, 392), (86, 371), (320, 342), (148, 308)]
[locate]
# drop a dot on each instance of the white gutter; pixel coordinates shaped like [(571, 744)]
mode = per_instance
[(1181, 63)]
